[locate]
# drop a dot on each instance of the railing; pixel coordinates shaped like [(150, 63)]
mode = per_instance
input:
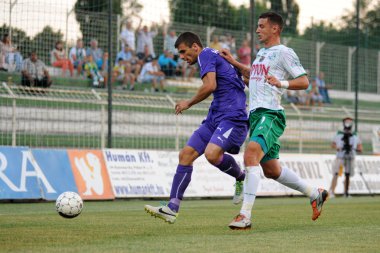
[(77, 118)]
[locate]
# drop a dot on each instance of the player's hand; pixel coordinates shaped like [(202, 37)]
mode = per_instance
[(226, 54), (181, 106), (273, 81)]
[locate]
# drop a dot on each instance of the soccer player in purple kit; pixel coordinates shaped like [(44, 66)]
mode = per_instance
[(224, 129)]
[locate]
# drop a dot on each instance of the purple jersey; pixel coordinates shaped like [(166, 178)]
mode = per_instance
[(229, 95)]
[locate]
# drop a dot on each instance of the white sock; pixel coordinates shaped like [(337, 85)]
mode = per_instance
[(293, 181), (251, 183)]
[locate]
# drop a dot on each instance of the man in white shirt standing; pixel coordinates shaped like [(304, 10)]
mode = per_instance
[(275, 69), (127, 36), (145, 38)]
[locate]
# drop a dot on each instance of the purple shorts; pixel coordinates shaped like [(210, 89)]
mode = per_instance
[(226, 133)]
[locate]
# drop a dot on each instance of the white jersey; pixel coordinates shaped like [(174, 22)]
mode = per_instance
[(354, 141), (279, 61)]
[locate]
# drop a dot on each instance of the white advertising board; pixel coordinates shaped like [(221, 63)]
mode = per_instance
[(149, 173)]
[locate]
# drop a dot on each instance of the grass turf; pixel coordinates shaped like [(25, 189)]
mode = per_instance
[(279, 225)]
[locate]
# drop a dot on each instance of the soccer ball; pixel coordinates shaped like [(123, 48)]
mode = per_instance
[(69, 204)]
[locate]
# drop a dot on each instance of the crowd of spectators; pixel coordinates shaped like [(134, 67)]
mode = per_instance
[(136, 62), (315, 95)]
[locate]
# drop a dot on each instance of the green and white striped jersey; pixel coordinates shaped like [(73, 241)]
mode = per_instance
[(279, 61)]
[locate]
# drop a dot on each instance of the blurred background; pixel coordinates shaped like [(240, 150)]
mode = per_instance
[(117, 107)]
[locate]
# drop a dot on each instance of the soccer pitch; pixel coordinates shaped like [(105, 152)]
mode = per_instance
[(279, 225)]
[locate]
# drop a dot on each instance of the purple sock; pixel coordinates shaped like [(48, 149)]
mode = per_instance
[(229, 166), (181, 180)]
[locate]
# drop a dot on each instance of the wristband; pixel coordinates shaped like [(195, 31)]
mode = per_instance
[(284, 84)]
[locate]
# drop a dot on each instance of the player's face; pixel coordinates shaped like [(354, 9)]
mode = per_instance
[(265, 30), (188, 54)]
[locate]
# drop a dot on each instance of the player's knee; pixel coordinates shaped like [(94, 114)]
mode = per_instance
[(251, 157), (270, 174), (253, 152), (212, 157), (187, 156)]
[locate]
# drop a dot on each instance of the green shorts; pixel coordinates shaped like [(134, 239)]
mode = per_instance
[(267, 125)]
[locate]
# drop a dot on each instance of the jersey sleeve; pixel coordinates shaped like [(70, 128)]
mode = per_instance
[(292, 63), (207, 62)]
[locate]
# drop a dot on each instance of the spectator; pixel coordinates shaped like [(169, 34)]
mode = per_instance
[(313, 95), (123, 74), (10, 57), (151, 73), (127, 36), (104, 69), (129, 59), (215, 43), (230, 41), (96, 53), (167, 64), (77, 56), (291, 96), (34, 72), (92, 72), (144, 57), (169, 42), (59, 59), (186, 69), (323, 87), (224, 43), (244, 53), (145, 38)]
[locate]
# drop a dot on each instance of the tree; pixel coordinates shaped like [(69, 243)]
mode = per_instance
[(44, 42), (289, 13), (19, 38), (346, 33), (131, 8), (218, 13), (92, 16)]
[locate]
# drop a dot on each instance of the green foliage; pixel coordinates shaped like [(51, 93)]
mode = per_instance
[(346, 33), (19, 38), (44, 42), (289, 13), (218, 13), (92, 17)]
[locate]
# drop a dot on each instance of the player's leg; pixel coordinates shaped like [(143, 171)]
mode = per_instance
[(182, 177), (335, 167), (282, 174), (252, 157), (253, 154), (181, 180), (228, 137)]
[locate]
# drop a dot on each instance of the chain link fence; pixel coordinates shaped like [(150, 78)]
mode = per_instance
[(72, 114)]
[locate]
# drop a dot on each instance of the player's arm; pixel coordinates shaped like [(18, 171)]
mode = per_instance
[(244, 70), (299, 83), (208, 86)]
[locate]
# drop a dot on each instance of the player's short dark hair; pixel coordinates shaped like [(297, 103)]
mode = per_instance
[(188, 38), (274, 18)]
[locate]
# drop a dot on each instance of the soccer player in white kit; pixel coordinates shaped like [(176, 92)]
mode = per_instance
[(275, 69)]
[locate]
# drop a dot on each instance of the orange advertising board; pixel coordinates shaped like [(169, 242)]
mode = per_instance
[(90, 173)]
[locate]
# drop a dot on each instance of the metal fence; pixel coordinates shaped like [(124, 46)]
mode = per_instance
[(77, 118)]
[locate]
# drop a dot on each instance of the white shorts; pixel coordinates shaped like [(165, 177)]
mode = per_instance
[(348, 165)]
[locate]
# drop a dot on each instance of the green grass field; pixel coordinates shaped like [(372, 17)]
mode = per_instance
[(279, 225)]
